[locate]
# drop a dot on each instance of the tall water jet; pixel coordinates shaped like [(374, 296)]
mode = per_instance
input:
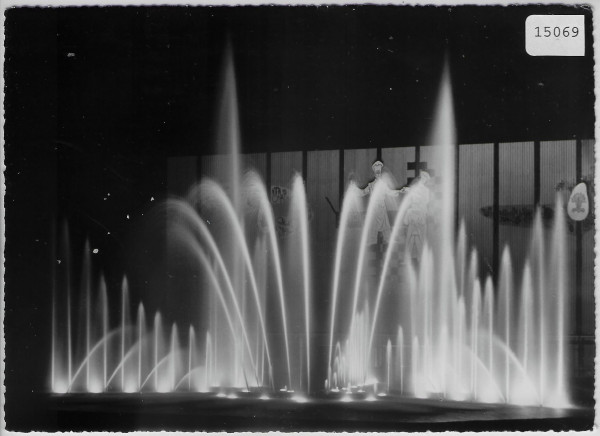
[(228, 138), (400, 347), (560, 397), (124, 324), (538, 256), (347, 207), (104, 314), (173, 357), (505, 296), (87, 292), (443, 136), (53, 346), (67, 255), (141, 335), (191, 353), (299, 208), (475, 316), (157, 344), (207, 359), (388, 360)]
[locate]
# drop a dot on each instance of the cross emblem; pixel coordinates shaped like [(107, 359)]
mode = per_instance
[(416, 167)]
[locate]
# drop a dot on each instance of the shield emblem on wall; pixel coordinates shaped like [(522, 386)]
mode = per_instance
[(579, 205)]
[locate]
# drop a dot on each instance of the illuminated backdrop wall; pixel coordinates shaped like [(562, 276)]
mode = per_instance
[(497, 185)]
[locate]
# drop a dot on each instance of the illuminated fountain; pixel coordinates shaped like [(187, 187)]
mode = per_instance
[(440, 332), (217, 228), (449, 335)]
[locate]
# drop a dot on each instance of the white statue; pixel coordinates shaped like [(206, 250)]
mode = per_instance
[(414, 225), (415, 219), (381, 222)]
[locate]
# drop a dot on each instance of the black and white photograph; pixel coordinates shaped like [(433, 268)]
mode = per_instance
[(317, 218)]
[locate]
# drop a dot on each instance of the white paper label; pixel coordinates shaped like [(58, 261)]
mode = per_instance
[(555, 35)]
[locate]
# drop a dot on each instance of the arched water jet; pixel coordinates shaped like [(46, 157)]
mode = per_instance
[(187, 212), (254, 181), (119, 368), (188, 377), (154, 372), (87, 358), (212, 187), (199, 253)]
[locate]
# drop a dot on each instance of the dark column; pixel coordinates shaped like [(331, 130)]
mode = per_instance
[(268, 175), (536, 173), (341, 180), (578, 269), (198, 168), (456, 184), (304, 165), (496, 210)]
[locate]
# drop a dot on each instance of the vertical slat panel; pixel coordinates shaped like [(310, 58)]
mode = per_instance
[(587, 157), (396, 160), (557, 163), (322, 181), (588, 317), (429, 154), (216, 167), (256, 162), (476, 191), (181, 174), (357, 166), (516, 192), (283, 166)]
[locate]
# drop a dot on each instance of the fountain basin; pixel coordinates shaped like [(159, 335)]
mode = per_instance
[(326, 412)]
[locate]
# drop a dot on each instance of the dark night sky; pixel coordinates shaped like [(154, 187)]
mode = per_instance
[(111, 92), (97, 98), (144, 80)]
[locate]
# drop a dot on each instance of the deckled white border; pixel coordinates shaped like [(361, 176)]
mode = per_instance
[(593, 4)]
